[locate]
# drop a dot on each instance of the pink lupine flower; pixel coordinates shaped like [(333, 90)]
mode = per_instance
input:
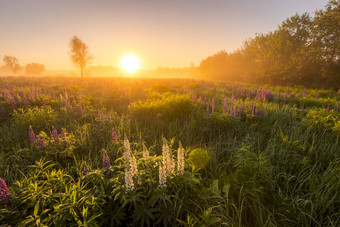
[(62, 134), (55, 134), (31, 135), (225, 103), (305, 92), (12, 104), (114, 136), (106, 161), (5, 197), (317, 95), (329, 107), (41, 142)]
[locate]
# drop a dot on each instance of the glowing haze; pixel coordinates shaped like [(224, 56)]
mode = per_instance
[(171, 33)]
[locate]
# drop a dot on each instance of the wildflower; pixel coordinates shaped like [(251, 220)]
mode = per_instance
[(212, 105), (208, 111), (55, 134), (4, 193), (127, 149), (305, 92), (180, 160), (129, 180), (31, 135), (106, 161), (329, 107), (225, 104), (62, 134), (114, 136), (317, 95), (41, 142), (12, 104), (162, 176), (168, 162), (235, 111), (133, 165)]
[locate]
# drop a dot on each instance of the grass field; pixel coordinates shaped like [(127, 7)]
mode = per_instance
[(167, 152)]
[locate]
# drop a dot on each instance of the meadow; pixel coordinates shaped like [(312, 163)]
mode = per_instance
[(167, 152)]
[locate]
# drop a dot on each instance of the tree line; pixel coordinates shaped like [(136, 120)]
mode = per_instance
[(11, 65), (303, 50)]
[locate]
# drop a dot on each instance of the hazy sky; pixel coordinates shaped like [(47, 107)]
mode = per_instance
[(170, 33)]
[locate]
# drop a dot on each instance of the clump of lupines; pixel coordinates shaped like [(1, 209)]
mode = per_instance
[(31, 135), (4, 193), (55, 134), (106, 161)]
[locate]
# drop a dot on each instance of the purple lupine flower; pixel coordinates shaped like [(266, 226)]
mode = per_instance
[(55, 134), (259, 113), (31, 135), (5, 197), (317, 95), (194, 97), (114, 136), (86, 170), (305, 92), (329, 107), (106, 161), (213, 105), (41, 142), (62, 134), (235, 111), (225, 104), (12, 104)]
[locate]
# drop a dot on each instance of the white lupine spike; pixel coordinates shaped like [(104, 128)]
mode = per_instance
[(129, 180), (133, 165), (162, 175), (180, 160)]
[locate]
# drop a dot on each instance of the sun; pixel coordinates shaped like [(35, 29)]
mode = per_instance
[(130, 63)]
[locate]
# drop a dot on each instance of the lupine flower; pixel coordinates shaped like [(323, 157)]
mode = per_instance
[(55, 134), (212, 105), (180, 160), (62, 134), (162, 176), (106, 161), (41, 142), (5, 197), (12, 104), (168, 162), (133, 165), (235, 111), (31, 135), (86, 170), (317, 95), (127, 149), (329, 107), (114, 136), (208, 111), (129, 180), (305, 92)]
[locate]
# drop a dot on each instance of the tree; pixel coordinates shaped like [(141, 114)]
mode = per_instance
[(34, 68), (11, 63), (79, 54)]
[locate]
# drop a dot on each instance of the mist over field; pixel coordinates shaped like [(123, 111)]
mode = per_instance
[(169, 113)]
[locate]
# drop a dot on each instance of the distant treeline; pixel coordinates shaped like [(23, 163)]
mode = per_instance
[(304, 50)]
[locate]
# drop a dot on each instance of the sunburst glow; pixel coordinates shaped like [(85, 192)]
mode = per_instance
[(130, 63)]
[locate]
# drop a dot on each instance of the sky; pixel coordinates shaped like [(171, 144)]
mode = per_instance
[(173, 33)]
